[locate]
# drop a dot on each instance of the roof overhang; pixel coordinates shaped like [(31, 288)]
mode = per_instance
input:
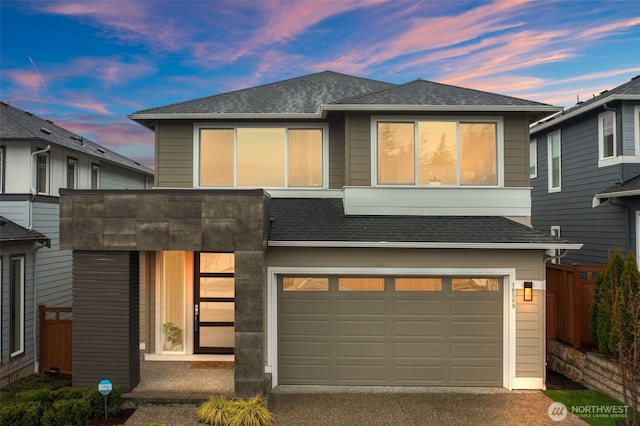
[(597, 104), (425, 245), (600, 198), (148, 118)]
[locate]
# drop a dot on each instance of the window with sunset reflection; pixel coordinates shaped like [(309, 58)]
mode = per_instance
[(271, 157), (432, 152)]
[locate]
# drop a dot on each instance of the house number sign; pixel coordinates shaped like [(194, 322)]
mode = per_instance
[(513, 296)]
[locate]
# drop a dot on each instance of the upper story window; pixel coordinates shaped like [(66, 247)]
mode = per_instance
[(72, 173), (425, 152), (607, 135), (42, 173), (533, 158), (554, 161), (266, 157), (95, 176)]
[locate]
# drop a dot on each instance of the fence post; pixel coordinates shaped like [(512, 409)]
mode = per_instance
[(40, 327), (577, 326)]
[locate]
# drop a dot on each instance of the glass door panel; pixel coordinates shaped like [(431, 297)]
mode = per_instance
[(173, 301), (214, 303)]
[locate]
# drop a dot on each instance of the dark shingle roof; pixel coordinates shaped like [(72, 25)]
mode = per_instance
[(629, 188), (317, 93), (293, 96), (11, 231), (20, 125), (422, 92), (324, 220), (629, 90)]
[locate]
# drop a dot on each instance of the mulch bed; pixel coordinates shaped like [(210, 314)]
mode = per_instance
[(118, 419), (557, 381)]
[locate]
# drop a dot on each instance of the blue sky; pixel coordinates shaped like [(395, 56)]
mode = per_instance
[(87, 64)]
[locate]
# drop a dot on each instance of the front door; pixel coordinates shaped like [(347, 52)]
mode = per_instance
[(214, 303)]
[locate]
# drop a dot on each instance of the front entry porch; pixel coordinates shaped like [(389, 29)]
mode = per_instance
[(183, 382)]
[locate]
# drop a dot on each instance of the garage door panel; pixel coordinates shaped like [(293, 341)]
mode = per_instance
[(362, 350), (305, 306), (473, 307), (305, 373), (423, 350), (473, 351), (475, 329), (362, 307), (421, 328), (361, 328), (303, 327), (489, 375), (307, 348), (419, 307), (422, 375), (362, 374)]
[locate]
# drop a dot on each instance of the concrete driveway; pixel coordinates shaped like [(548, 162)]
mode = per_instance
[(296, 407)]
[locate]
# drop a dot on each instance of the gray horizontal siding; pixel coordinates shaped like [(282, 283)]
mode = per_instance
[(115, 177), (602, 229)]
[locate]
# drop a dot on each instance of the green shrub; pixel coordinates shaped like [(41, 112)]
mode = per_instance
[(219, 411), (43, 396), (95, 400), (601, 312), (21, 413), (67, 412), (69, 393)]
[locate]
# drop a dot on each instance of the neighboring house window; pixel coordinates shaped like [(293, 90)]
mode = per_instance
[(607, 134), (636, 116), (95, 176), (533, 159), (42, 173), (555, 162), (2, 162), (16, 277), (72, 172), (274, 157), (555, 231), (432, 152)]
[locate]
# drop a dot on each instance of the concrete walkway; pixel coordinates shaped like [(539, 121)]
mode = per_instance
[(440, 407)]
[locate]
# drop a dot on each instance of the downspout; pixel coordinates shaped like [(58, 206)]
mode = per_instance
[(31, 188)]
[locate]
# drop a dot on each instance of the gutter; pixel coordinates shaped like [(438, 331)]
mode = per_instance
[(425, 245)]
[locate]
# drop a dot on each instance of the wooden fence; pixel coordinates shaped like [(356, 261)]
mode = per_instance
[(569, 290), (55, 339)]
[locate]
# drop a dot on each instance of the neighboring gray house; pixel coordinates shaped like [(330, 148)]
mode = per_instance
[(590, 194), (326, 230), (37, 159)]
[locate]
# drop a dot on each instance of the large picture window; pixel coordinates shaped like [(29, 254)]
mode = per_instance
[(431, 152), (271, 157)]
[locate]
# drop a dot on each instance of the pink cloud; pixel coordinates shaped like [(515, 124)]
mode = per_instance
[(25, 79)]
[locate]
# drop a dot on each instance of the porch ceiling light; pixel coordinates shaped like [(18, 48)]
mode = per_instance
[(528, 291)]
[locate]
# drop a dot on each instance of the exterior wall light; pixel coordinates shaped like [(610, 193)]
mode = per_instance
[(528, 291)]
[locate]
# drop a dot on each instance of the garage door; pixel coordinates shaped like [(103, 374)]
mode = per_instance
[(419, 331)]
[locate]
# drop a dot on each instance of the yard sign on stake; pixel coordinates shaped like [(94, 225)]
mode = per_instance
[(105, 387)]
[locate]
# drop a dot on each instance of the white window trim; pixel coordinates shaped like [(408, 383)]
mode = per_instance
[(20, 258), (95, 166), (533, 158), (457, 119), (602, 160), (235, 126), (46, 173), (555, 231), (550, 162), (75, 173), (510, 381)]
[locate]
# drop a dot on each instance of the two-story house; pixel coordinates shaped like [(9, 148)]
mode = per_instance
[(322, 230), (37, 158), (585, 174)]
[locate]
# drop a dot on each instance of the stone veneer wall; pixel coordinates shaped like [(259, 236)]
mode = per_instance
[(593, 370), (97, 224)]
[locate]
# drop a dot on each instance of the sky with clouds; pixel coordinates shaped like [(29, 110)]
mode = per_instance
[(87, 64)]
